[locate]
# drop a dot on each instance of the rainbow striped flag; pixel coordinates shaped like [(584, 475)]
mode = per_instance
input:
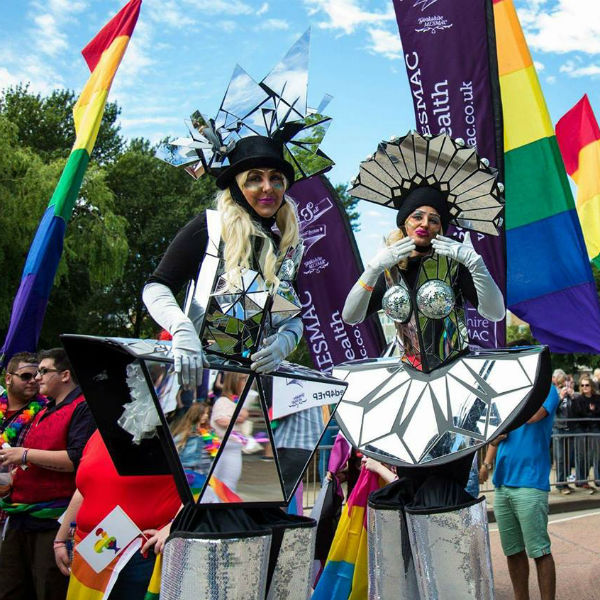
[(550, 283), (578, 138), (86, 584), (103, 56), (345, 576)]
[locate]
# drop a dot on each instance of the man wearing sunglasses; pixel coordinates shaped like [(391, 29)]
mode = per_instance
[(43, 483), (18, 406)]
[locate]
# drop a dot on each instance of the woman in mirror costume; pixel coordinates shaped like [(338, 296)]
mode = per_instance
[(241, 314), (430, 402)]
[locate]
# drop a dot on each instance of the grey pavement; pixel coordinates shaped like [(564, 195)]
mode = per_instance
[(575, 541)]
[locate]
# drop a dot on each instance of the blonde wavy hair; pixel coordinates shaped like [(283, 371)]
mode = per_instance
[(237, 228)]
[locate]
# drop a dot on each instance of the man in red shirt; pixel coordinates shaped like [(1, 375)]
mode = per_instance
[(18, 404), (43, 483)]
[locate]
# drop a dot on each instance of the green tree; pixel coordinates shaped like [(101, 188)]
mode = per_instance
[(155, 200), (94, 247), (349, 203), (45, 124)]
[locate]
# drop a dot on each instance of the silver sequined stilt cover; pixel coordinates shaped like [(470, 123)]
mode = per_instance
[(391, 570), (215, 569), (452, 554), (292, 577)]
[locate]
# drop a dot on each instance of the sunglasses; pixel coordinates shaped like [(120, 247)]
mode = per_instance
[(41, 372), (584, 385), (24, 376)]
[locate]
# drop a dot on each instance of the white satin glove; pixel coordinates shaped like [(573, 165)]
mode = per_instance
[(187, 348), (464, 253), (357, 301), (275, 348), (188, 356), (389, 256), (490, 300)]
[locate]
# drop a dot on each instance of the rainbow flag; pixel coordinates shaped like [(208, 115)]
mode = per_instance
[(550, 283), (103, 56), (223, 492), (86, 584), (345, 576), (578, 138)]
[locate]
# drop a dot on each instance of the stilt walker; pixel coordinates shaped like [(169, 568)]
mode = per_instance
[(429, 404)]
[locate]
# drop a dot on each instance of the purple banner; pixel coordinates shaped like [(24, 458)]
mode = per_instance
[(330, 267), (450, 57)]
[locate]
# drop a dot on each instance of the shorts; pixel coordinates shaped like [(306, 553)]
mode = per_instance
[(522, 517)]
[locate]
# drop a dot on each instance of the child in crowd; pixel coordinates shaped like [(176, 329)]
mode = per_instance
[(194, 440)]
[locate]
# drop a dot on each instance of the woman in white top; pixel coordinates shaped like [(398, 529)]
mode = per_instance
[(229, 468)]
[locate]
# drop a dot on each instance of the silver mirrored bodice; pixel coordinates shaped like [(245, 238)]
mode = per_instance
[(429, 318), (233, 311)]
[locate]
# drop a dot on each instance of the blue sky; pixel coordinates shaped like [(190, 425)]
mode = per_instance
[(183, 53)]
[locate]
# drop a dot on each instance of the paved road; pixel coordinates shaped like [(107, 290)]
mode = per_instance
[(576, 548)]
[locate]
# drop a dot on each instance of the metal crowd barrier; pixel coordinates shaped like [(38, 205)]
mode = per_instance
[(574, 448)]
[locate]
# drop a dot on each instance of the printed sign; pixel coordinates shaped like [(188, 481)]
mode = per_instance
[(108, 539), (293, 395)]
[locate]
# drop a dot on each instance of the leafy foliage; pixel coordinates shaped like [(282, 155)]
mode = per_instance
[(349, 203), (45, 125), (155, 200)]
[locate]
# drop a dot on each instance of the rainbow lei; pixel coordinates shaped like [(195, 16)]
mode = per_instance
[(211, 441), (23, 419)]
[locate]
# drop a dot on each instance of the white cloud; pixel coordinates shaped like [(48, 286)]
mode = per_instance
[(168, 13), (221, 7), (141, 121), (538, 65), (65, 7), (8, 79), (274, 25), (347, 15), (263, 9), (227, 25), (138, 56), (48, 38), (386, 43), (551, 79), (573, 69), (42, 79), (562, 26)]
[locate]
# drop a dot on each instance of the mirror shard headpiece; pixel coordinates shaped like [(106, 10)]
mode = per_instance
[(276, 108), (401, 165)]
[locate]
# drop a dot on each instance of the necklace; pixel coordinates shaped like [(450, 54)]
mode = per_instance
[(23, 418)]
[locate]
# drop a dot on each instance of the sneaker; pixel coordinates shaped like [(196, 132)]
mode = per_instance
[(588, 488), (566, 491)]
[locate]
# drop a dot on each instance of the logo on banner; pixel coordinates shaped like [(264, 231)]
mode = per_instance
[(294, 382), (424, 4), (312, 233), (314, 265), (432, 24)]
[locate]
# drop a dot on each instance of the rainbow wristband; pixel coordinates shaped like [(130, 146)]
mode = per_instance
[(363, 285)]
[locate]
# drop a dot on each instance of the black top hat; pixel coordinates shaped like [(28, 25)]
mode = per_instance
[(252, 152), (424, 196)]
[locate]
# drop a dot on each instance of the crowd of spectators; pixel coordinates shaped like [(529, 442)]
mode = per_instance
[(576, 432)]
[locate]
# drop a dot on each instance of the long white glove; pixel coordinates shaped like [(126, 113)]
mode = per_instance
[(186, 345), (490, 301), (277, 347), (357, 301)]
